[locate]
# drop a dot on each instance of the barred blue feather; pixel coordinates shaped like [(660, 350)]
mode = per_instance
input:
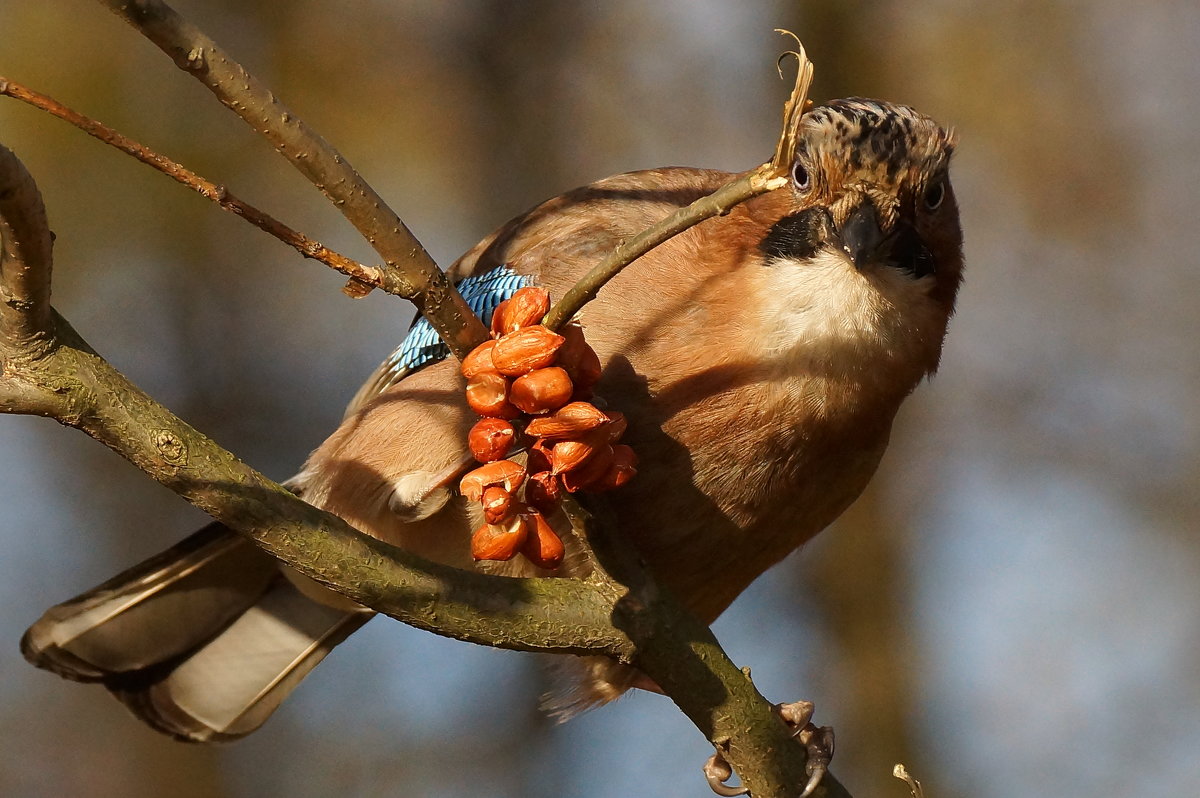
[(483, 292)]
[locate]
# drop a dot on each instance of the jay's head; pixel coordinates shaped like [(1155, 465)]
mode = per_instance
[(865, 254)]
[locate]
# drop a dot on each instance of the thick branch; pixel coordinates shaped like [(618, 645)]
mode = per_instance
[(683, 657), (623, 617), (75, 386), (417, 278), (47, 369), (80, 389)]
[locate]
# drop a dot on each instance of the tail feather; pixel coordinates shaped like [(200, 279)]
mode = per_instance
[(231, 685), (579, 684), (202, 642), (155, 611)]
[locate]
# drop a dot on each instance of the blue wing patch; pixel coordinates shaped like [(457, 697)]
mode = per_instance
[(483, 292)]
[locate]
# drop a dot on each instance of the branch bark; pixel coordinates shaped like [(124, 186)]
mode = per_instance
[(26, 258)]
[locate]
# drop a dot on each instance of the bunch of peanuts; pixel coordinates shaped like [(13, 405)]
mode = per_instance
[(532, 388)]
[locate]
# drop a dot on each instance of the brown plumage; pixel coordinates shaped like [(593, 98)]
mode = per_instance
[(759, 357)]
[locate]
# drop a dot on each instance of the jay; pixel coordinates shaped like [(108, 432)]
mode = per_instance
[(758, 357)]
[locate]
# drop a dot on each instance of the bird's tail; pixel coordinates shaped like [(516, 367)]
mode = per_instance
[(202, 642)]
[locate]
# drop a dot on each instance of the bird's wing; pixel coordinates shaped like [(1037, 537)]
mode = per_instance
[(550, 245), (422, 346)]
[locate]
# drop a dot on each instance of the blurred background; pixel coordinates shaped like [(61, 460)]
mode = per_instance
[(1012, 609)]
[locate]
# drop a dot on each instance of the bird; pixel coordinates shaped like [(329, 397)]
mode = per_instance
[(759, 359)]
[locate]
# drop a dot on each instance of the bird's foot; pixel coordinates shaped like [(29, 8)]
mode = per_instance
[(817, 742), (718, 771)]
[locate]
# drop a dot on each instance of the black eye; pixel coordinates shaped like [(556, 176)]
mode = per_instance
[(800, 178), (934, 195)]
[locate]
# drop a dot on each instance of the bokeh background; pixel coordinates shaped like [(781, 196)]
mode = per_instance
[(1012, 609)]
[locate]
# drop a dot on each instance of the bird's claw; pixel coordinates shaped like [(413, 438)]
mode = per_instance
[(718, 771), (796, 714), (817, 741)]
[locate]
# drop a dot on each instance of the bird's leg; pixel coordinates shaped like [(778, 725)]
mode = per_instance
[(817, 742)]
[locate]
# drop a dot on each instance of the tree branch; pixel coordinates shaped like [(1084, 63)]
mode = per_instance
[(755, 182), (363, 277), (684, 658), (767, 177), (26, 258), (70, 382), (416, 277)]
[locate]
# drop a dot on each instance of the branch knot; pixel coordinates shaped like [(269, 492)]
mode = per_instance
[(172, 448)]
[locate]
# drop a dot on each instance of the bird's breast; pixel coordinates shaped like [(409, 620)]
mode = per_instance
[(739, 470)]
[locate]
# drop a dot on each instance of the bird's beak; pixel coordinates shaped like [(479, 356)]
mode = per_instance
[(861, 235)]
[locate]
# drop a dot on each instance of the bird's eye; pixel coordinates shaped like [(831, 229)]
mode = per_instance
[(800, 178), (934, 195)]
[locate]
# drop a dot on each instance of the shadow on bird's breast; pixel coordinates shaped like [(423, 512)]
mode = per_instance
[(662, 511)]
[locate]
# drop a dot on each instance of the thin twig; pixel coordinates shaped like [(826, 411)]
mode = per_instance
[(367, 276), (796, 105), (415, 275), (751, 184), (768, 177), (914, 786)]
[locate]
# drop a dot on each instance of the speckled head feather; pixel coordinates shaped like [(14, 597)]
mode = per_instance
[(857, 143), (887, 138)]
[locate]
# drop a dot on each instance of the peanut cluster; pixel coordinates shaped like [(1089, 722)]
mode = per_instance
[(532, 388)]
